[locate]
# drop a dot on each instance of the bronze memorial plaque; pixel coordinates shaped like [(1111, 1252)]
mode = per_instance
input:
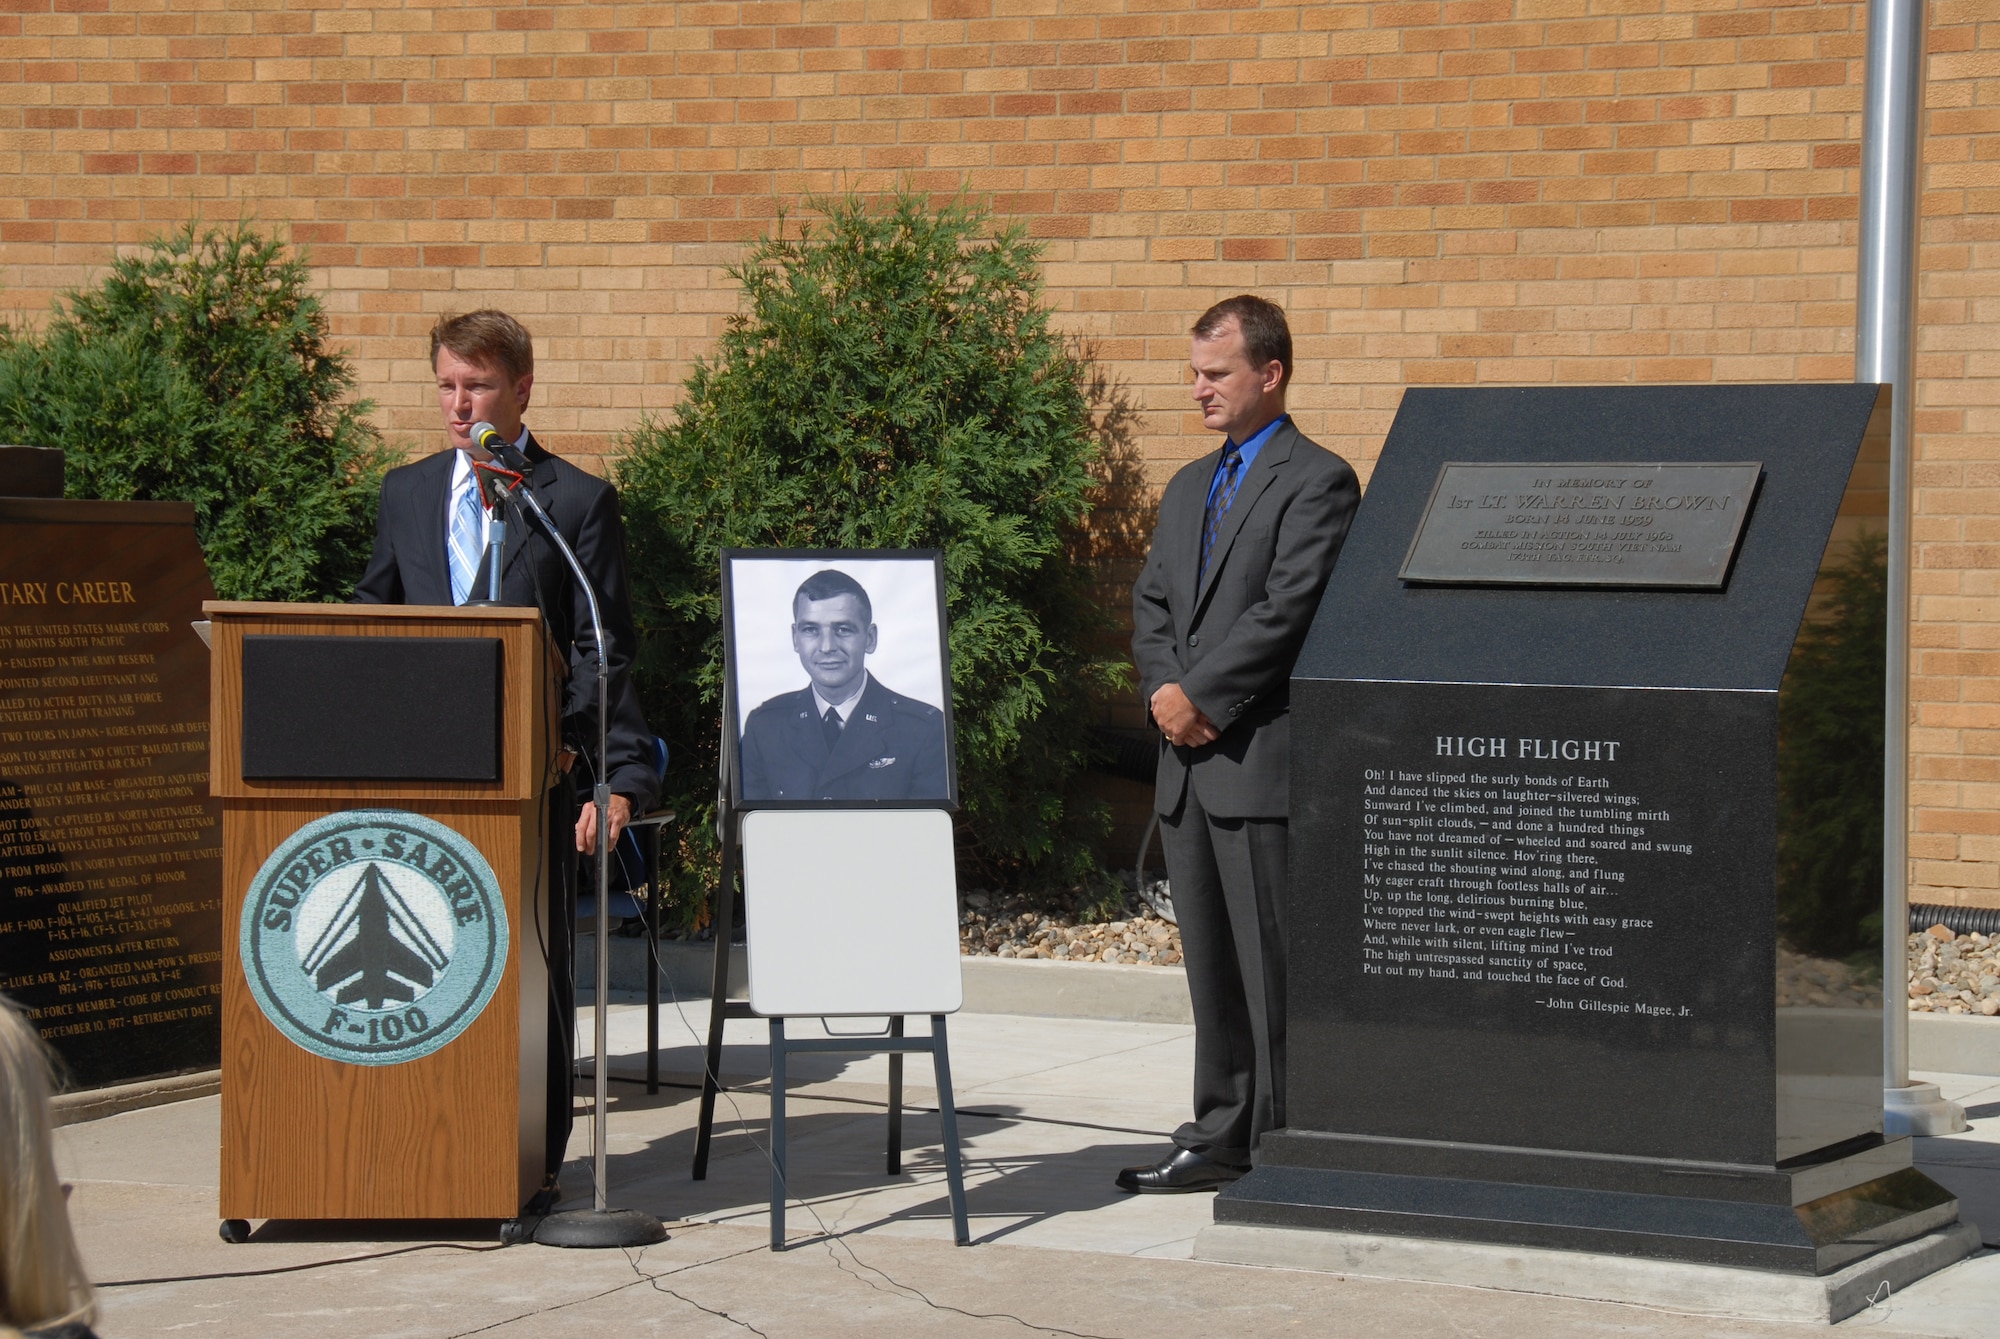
[(1582, 524), (110, 846)]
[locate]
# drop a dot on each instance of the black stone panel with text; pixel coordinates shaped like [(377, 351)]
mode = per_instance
[(1552, 896), (110, 846)]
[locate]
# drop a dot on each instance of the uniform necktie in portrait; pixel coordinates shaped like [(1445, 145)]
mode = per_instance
[(1218, 503), (468, 523), (830, 727)]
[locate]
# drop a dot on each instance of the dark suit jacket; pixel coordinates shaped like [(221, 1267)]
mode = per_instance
[(892, 749), (409, 566), (1231, 644)]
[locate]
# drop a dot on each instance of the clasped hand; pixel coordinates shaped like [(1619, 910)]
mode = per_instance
[(1180, 720)]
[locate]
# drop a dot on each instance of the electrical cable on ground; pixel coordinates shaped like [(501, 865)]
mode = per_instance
[(299, 1268)]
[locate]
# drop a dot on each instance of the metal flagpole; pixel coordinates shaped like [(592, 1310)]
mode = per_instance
[(1884, 352)]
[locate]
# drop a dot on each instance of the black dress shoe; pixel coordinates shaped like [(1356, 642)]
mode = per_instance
[(1178, 1174)]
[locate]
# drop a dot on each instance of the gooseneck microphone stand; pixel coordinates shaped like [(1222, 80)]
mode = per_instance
[(600, 1225)]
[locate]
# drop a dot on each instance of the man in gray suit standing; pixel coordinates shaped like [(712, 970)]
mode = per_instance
[(1247, 537)]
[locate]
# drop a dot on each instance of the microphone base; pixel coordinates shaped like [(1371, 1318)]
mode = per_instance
[(495, 604), (600, 1229)]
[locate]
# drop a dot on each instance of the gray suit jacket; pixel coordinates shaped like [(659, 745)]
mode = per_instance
[(1231, 644)]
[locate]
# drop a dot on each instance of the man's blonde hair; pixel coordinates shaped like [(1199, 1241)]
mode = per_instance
[(42, 1282), (486, 336)]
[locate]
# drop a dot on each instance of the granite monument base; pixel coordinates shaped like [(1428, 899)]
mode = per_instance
[(1710, 1290), (1813, 1216)]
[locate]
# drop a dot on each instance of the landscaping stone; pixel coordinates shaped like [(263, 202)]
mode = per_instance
[(1824, 983), (1003, 926), (1954, 974)]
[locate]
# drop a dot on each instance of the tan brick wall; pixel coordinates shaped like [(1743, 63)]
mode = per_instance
[(1955, 787), (1477, 191)]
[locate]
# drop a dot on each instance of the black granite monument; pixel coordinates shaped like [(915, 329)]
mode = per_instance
[(1532, 917), (110, 846)]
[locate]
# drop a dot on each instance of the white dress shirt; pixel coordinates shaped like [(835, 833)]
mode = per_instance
[(461, 479), (845, 709)]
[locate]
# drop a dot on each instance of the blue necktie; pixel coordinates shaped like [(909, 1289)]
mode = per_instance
[(468, 526), (1218, 504)]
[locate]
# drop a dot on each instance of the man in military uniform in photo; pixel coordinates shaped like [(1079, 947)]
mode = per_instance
[(844, 736)]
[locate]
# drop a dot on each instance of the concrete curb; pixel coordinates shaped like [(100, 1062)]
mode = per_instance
[(97, 1103), (1048, 989), (1747, 1294), (1028, 986), (1955, 1044)]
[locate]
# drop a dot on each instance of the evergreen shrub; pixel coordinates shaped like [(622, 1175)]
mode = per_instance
[(1830, 763), (890, 382), (199, 371)]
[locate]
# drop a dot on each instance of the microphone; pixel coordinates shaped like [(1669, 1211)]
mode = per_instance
[(496, 481), (487, 438)]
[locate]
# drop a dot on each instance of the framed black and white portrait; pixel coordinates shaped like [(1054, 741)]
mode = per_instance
[(839, 679)]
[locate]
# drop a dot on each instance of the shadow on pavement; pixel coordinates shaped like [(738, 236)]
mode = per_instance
[(837, 1159)]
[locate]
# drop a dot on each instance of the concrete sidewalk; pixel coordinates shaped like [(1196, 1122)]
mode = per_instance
[(1051, 1108)]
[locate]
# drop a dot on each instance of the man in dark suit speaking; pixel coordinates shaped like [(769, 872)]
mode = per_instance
[(844, 736), (429, 539), (1247, 537)]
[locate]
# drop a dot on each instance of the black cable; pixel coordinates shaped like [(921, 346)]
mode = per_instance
[(295, 1269)]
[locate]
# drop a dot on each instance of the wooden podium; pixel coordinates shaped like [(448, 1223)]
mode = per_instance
[(315, 726)]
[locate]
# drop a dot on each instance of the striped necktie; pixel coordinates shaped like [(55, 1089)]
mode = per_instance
[(1218, 504), (468, 525)]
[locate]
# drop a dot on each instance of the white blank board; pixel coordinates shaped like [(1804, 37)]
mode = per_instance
[(851, 912)]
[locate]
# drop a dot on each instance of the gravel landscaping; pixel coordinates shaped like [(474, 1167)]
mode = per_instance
[(1954, 974), (1824, 983), (999, 926)]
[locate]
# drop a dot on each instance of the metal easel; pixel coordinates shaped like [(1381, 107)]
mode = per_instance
[(896, 1044)]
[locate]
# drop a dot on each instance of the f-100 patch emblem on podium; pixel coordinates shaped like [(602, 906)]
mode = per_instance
[(374, 936)]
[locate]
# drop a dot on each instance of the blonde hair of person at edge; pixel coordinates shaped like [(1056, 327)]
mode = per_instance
[(43, 1289)]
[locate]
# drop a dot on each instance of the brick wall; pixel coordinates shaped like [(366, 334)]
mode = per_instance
[(1478, 191), (1955, 787)]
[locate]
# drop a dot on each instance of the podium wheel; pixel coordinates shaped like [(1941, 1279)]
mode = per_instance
[(515, 1231), (234, 1231)]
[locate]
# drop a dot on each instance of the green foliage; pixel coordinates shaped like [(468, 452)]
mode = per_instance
[(1830, 763), (200, 372), (891, 383)]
